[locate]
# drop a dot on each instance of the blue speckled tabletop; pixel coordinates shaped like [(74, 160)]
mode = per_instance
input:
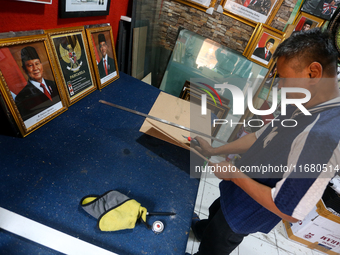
[(90, 149)]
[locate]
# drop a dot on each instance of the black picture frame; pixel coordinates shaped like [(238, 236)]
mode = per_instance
[(80, 10), (70, 49), (320, 8)]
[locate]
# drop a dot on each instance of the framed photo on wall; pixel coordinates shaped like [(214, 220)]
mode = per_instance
[(305, 21), (103, 55), (38, 1), (29, 83), (202, 5), (323, 9), (83, 8), (262, 44), (255, 11), (70, 49)]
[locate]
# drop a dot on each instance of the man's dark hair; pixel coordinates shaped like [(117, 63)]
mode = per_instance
[(271, 40), (310, 46), (308, 22)]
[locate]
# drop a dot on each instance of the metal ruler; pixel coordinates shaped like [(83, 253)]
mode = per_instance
[(162, 120)]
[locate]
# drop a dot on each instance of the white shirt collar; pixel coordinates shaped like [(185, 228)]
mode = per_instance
[(37, 85), (320, 107)]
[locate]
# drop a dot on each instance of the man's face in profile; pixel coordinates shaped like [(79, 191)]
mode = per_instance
[(34, 70), (269, 45), (103, 48), (305, 27)]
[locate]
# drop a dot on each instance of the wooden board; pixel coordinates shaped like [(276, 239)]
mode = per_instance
[(178, 111)]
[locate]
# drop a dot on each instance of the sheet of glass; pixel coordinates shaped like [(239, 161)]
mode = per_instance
[(203, 61)]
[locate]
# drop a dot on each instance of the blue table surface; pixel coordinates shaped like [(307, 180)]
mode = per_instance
[(90, 149)]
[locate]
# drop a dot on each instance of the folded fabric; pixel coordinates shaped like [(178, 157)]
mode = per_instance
[(114, 211)]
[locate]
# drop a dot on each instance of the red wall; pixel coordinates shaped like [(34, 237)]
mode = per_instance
[(22, 16)]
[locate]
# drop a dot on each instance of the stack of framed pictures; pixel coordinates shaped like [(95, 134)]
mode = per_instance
[(42, 75)]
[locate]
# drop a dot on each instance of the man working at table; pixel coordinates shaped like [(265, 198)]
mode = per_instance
[(249, 205)]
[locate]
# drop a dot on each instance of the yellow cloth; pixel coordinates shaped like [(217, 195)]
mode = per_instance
[(114, 210), (122, 217)]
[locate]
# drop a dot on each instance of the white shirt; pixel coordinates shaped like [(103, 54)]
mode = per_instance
[(37, 85)]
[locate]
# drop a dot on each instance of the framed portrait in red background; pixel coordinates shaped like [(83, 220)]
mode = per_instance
[(305, 21), (103, 55), (29, 84), (263, 44)]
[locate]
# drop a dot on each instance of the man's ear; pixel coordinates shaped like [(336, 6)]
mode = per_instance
[(315, 71)]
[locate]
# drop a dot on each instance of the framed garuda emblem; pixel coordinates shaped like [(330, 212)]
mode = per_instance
[(71, 51)]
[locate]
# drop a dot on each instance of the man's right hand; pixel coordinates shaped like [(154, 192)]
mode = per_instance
[(205, 148)]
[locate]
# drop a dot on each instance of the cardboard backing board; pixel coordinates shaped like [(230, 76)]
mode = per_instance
[(178, 111), (320, 230)]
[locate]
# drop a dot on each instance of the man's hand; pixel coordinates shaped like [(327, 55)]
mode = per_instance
[(238, 146), (224, 170), (205, 148)]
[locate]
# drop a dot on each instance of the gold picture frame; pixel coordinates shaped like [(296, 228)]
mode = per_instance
[(70, 49), (259, 49), (251, 12), (103, 55), (303, 19), (29, 84), (198, 4)]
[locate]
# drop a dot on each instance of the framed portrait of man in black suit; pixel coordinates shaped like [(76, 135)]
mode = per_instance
[(70, 48), (305, 22), (262, 44), (103, 54), (29, 84)]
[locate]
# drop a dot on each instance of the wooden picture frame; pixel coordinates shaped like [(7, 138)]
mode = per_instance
[(305, 21), (29, 83), (192, 92), (76, 9), (103, 55), (262, 44), (252, 12), (70, 49)]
